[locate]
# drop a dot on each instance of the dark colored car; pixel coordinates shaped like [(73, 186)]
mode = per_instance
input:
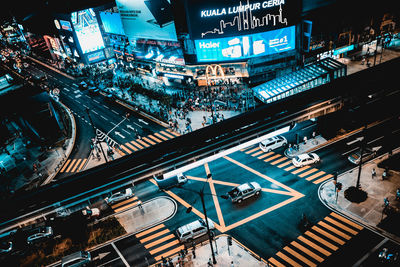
[(368, 153), (39, 234), (83, 85), (94, 91)]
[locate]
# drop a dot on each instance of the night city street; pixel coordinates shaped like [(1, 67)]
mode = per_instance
[(200, 133)]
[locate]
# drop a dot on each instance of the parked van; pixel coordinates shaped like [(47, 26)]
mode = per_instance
[(193, 230), (273, 143), (80, 258), (167, 183)]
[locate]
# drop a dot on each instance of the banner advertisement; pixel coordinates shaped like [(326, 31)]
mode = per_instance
[(224, 18), (159, 51), (112, 23), (151, 19), (95, 57), (246, 46)]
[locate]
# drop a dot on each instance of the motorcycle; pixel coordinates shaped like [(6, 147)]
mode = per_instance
[(388, 257)]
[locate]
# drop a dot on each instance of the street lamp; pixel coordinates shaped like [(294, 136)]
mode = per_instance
[(201, 194)]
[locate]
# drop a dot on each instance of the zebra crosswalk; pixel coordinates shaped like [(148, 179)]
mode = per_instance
[(318, 243), (73, 165), (126, 204), (307, 172), (160, 242), (146, 141)]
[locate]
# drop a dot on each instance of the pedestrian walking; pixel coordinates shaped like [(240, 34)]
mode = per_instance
[(373, 173), (209, 263), (305, 139), (386, 202), (232, 264), (398, 194)]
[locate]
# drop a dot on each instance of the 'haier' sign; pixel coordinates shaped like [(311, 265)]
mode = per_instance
[(246, 46)]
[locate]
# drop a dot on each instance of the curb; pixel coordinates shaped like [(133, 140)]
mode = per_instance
[(50, 67), (70, 147)]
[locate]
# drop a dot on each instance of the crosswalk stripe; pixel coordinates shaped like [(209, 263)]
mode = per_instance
[(301, 169), (271, 158), (307, 251), (159, 241), (70, 165), (315, 175), (337, 216), (169, 253), (334, 230), (160, 136), (120, 152), (82, 164), (133, 204), (65, 165), (284, 164), (252, 150), (125, 149), (143, 143), (287, 259), (300, 257), (344, 227), (166, 134), (278, 160), (76, 165), (265, 155), (290, 167), (307, 172), (174, 133), (170, 244), (326, 177), (275, 262), (257, 153), (154, 138), (328, 235), (148, 140), (163, 232), (314, 246), (119, 204), (148, 231), (136, 144), (131, 147), (321, 240)]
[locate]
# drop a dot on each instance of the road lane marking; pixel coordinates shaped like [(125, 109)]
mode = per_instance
[(322, 241), (300, 257), (154, 138), (136, 144), (265, 155), (85, 106), (301, 169), (76, 165), (307, 251), (150, 230), (173, 132), (66, 89), (334, 230), (131, 146), (95, 112), (159, 241), (271, 158), (328, 235), (125, 149), (126, 131), (342, 226), (148, 140), (80, 167), (169, 253), (65, 165), (114, 111), (120, 254), (163, 232), (326, 177), (137, 124), (290, 168), (104, 117), (257, 153), (105, 106), (142, 142), (160, 136), (166, 134), (70, 165), (287, 259), (96, 101), (308, 172), (215, 197), (315, 175), (133, 204), (126, 201), (314, 246), (284, 164), (252, 150), (343, 219), (278, 161), (275, 262)]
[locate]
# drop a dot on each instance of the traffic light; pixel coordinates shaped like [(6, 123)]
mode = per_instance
[(229, 241), (339, 186), (335, 177)]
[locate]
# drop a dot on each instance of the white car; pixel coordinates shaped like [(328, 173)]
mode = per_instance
[(305, 159), (119, 196), (91, 212), (241, 192), (39, 234), (273, 143)]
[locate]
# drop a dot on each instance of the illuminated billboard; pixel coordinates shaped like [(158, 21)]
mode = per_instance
[(151, 19), (65, 25), (246, 46), (87, 30), (159, 51), (95, 56), (223, 18), (112, 22)]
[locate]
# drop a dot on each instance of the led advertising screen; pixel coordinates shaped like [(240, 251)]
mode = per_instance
[(222, 18), (159, 51), (112, 22), (246, 46), (95, 56), (151, 19), (65, 25), (87, 30)]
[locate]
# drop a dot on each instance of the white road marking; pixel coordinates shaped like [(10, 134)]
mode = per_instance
[(138, 125), (104, 117), (96, 101), (119, 134), (66, 89), (76, 91), (78, 96), (114, 111), (95, 112), (85, 106), (105, 106), (142, 121), (126, 131), (120, 255)]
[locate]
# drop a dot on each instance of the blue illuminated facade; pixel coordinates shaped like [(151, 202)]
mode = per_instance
[(246, 46)]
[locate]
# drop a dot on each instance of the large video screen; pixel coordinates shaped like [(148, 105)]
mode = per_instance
[(112, 22), (87, 30), (222, 18), (246, 46), (151, 19), (159, 51)]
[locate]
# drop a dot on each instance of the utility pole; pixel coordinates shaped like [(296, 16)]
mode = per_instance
[(362, 142), (94, 131)]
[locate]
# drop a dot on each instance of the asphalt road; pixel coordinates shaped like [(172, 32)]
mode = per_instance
[(108, 117)]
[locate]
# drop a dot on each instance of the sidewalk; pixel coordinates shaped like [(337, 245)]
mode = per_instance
[(227, 256), (371, 211), (304, 148)]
